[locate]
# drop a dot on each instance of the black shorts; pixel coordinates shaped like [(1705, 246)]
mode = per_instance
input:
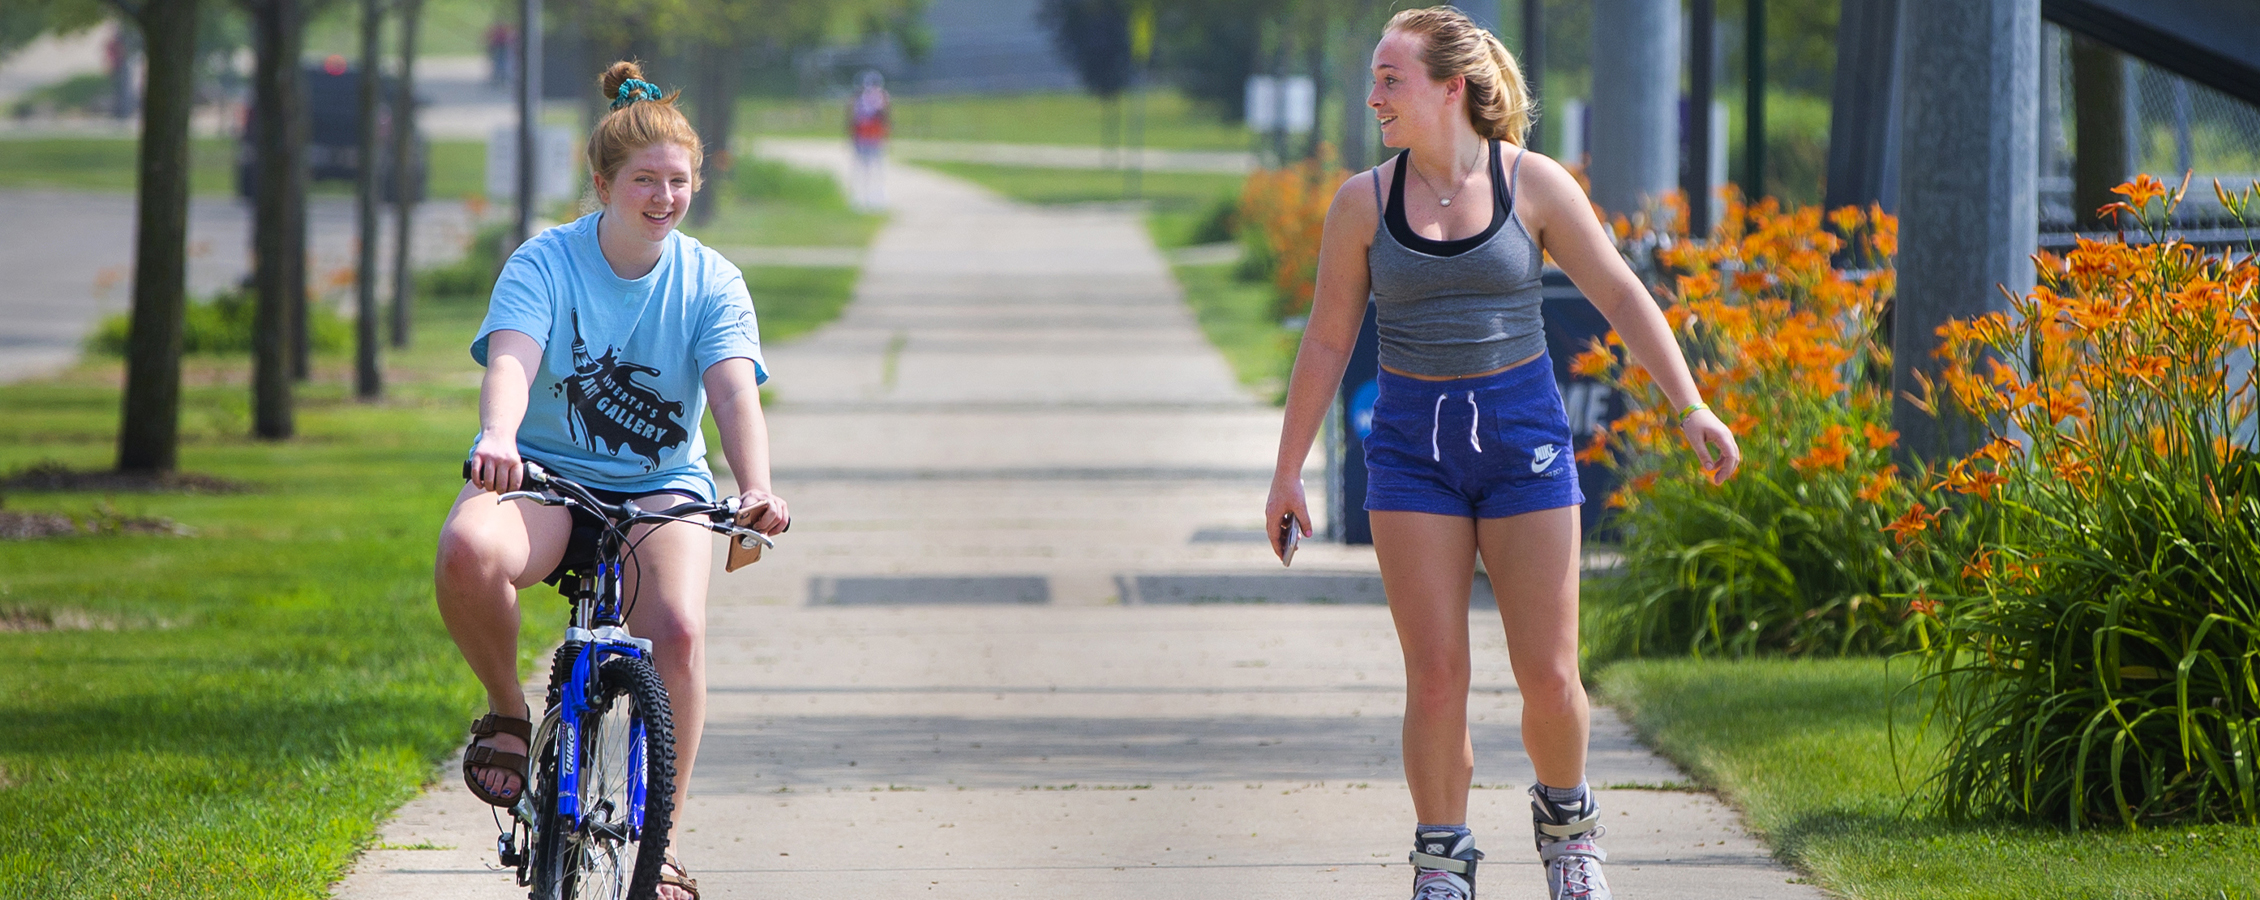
[(580, 547)]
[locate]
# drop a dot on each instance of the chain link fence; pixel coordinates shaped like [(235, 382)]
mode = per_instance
[(2173, 126)]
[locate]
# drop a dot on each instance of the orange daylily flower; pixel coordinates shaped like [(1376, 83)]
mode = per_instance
[(1917, 520), (1594, 362), (1879, 486), (2141, 190)]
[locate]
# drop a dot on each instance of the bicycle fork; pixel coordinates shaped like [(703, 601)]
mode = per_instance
[(561, 732)]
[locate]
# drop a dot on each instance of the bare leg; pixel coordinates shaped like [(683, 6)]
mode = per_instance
[(1427, 568), (1532, 559), (668, 590), (487, 551)]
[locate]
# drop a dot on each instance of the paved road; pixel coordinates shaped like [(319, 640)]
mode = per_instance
[(972, 671), (67, 259)]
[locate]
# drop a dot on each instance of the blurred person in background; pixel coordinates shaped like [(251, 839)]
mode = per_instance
[(867, 127)]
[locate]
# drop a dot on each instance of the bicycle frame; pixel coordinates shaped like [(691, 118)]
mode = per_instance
[(596, 633)]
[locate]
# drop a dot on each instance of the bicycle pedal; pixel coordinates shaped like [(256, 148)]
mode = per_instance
[(506, 845)]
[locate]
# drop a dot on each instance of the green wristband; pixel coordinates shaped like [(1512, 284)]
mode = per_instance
[(1692, 409)]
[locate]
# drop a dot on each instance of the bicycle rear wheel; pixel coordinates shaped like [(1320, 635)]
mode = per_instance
[(627, 790)]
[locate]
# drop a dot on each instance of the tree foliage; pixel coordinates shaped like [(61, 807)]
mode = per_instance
[(23, 21), (1095, 36)]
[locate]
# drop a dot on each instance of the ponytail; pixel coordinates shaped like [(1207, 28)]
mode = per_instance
[(1498, 101)]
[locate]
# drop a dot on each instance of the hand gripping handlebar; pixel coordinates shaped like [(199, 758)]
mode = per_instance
[(557, 491)]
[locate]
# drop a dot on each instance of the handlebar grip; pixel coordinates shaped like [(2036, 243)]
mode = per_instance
[(534, 472)]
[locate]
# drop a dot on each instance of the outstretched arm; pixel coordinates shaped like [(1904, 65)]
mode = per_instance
[(734, 395), (1569, 231)]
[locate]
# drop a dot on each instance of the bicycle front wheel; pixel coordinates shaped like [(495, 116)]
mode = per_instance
[(627, 787)]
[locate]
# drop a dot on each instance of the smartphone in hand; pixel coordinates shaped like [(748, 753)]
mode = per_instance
[(1289, 536)]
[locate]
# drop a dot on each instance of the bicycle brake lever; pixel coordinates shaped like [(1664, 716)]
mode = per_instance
[(746, 537), (544, 499)]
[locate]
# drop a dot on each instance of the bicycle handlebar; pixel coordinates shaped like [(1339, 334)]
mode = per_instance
[(559, 491)]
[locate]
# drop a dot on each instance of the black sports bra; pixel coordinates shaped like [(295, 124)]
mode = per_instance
[(1502, 206)]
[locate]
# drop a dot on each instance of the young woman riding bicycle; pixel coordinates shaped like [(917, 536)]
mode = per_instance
[(606, 341)]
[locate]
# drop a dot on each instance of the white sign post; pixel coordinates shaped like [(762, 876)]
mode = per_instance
[(556, 152), (1274, 102)]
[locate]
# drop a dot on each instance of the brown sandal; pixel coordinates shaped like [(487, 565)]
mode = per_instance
[(671, 871), (478, 756)]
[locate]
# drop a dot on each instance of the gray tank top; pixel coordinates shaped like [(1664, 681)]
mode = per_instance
[(1456, 307)]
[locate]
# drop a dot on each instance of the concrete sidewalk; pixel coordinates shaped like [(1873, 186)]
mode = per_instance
[(979, 667)]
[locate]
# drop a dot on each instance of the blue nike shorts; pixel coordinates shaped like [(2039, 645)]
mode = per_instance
[(1486, 448)]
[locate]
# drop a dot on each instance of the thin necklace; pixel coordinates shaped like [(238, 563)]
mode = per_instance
[(1458, 186)]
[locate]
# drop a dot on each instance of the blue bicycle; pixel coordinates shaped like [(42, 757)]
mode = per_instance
[(594, 822)]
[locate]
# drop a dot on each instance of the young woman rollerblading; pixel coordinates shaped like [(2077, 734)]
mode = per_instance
[(1470, 450)]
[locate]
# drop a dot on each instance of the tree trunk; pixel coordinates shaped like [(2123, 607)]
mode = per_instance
[(299, 120), (368, 379), (149, 430), (717, 112), (279, 226), (405, 184)]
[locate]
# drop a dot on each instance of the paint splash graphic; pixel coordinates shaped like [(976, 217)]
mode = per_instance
[(610, 411)]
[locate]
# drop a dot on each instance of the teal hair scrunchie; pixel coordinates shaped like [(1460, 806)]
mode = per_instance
[(635, 89)]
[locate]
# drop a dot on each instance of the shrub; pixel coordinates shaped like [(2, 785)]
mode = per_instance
[(1790, 555), (223, 325), (2101, 660), (1219, 223), (470, 278), (1282, 216)]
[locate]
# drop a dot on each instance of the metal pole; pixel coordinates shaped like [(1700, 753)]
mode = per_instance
[(1534, 61), (529, 115), (1635, 116), (1695, 175), (1968, 217), (1754, 100)]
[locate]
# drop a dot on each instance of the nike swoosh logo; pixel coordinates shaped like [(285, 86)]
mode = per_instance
[(1542, 458)]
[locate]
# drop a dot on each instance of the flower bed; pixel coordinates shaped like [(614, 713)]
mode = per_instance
[(1791, 555), (2099, 556)]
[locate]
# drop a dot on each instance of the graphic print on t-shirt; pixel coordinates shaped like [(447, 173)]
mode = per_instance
[(607, 411)]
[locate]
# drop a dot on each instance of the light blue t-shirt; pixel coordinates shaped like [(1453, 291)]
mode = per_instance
[(618, 398)]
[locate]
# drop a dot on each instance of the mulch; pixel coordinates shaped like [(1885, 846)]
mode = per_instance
[(23, 526), (54, 476)]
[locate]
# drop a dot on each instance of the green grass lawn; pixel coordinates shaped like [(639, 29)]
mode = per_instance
[(1805, 749), (108, 164), (1171, 121), (458, 168), (1237, 316), (239, 708), (443, 28)]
